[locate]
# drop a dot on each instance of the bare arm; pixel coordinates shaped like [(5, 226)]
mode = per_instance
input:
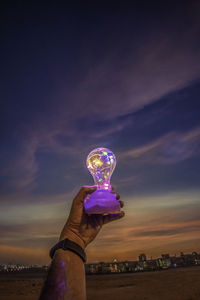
[(66, 277)]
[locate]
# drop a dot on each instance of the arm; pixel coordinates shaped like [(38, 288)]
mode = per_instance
[(66, 277)]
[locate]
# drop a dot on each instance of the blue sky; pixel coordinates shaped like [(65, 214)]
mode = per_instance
[(78, 78)]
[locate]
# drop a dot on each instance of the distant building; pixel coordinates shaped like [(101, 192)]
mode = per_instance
[(166, 261), (142, 257), (165, 256)]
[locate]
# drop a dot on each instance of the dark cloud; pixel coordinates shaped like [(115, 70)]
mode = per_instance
[(35, 242), (167, 232)]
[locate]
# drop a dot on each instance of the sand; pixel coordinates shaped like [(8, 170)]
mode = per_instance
[(174, 284)]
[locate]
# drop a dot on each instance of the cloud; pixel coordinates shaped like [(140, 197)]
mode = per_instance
[(13, 254), (160, 64), (130, 230), (108, 129), (126, 239), (168, 232), (22, 169), (50, 228), (167, 223), (127, 181), (170, 148), (142, 229)]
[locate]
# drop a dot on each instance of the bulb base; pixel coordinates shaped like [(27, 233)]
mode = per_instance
[(102, 202)]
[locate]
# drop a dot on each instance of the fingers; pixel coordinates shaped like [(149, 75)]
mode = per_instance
[(87, 190), (121, 203), (116, 195), (110, 218), (95, 220)]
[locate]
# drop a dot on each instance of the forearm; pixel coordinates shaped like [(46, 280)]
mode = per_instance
[(66, 278)]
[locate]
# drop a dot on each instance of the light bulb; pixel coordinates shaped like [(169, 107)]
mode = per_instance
[(101, 163)]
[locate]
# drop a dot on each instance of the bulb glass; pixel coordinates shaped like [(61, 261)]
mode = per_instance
[(101, 163)]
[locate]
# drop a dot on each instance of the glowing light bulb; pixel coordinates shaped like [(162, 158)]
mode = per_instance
[(101, 163)]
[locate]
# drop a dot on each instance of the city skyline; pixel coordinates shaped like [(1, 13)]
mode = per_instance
[(126, 78), (141, 257)]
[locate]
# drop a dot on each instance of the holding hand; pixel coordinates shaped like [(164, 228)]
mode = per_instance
[(81, 228)]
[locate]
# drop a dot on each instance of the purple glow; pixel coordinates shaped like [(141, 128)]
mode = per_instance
[(101, 202), (101, 163)]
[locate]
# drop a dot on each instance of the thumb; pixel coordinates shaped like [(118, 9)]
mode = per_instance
[(84, 191)]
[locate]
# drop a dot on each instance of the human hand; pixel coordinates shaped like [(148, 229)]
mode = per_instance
[(81, 228)]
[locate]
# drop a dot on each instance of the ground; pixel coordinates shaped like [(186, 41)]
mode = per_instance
[(174, 284)]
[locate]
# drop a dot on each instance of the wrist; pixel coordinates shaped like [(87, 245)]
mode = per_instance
[(74, 237), (68, 245), (67, 256)]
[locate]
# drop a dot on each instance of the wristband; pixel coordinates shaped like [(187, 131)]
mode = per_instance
[(69, 245)]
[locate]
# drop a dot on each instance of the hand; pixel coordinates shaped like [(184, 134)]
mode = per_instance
[(81, 228)]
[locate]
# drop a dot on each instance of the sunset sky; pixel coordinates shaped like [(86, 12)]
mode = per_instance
[(122, 77)]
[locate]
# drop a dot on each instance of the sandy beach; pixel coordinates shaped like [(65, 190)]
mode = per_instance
[(174, 284)]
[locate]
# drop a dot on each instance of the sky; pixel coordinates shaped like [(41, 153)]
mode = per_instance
[(124, 77)]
